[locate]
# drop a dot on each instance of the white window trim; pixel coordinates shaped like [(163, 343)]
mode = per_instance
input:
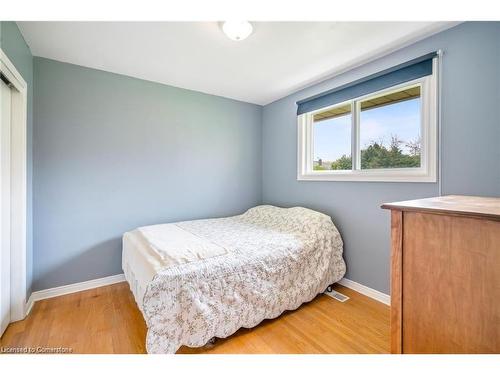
[(426, 173), (18, 188)]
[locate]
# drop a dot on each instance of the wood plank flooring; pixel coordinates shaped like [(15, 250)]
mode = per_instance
[(107, 320)]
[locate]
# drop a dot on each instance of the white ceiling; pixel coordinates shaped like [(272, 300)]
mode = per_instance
[(276, 60)]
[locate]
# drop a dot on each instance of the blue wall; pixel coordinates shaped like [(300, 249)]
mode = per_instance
[(112, 153), (470, 148), (13, 45)]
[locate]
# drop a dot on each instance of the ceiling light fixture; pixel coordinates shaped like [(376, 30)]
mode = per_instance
[(237, 30)]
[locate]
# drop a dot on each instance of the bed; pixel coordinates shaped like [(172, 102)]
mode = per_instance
[(202, 279)]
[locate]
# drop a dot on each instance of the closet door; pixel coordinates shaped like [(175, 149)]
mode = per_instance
[(5, 210)]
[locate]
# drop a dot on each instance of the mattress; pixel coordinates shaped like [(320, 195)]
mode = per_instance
[(200, 279), (146, 250), (140, 264)]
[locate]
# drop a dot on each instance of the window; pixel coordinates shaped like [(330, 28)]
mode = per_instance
[(389, 130), (387, 135), (332, 137)]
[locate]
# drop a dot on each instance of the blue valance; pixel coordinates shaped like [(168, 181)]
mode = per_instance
[(408, 71)]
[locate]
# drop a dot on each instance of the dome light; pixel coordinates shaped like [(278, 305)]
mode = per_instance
[(237, 30)]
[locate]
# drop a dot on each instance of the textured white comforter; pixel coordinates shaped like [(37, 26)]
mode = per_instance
[(275, 259), (174, 245)]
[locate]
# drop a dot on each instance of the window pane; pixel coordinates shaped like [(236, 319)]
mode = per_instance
[(332, 139), (390, 130)]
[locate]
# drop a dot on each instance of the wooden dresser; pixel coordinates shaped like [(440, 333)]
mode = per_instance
[(445, 275)]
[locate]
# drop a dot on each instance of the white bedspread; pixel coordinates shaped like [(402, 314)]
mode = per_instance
[(272, 259), (175, 245)]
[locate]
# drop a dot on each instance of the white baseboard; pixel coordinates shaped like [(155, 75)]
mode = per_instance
[(91, 284), (71, 288), (369, 292)]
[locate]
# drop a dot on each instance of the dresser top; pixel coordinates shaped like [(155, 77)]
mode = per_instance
[(453, 205)]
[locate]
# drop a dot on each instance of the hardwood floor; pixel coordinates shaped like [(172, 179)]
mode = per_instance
[(107, 320)]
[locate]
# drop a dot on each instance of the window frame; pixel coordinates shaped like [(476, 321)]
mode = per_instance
[(427, 172)]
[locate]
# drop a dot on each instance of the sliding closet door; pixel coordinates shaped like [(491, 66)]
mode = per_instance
[(5, 210)]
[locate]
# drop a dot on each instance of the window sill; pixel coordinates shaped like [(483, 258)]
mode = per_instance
[(368, 176)]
